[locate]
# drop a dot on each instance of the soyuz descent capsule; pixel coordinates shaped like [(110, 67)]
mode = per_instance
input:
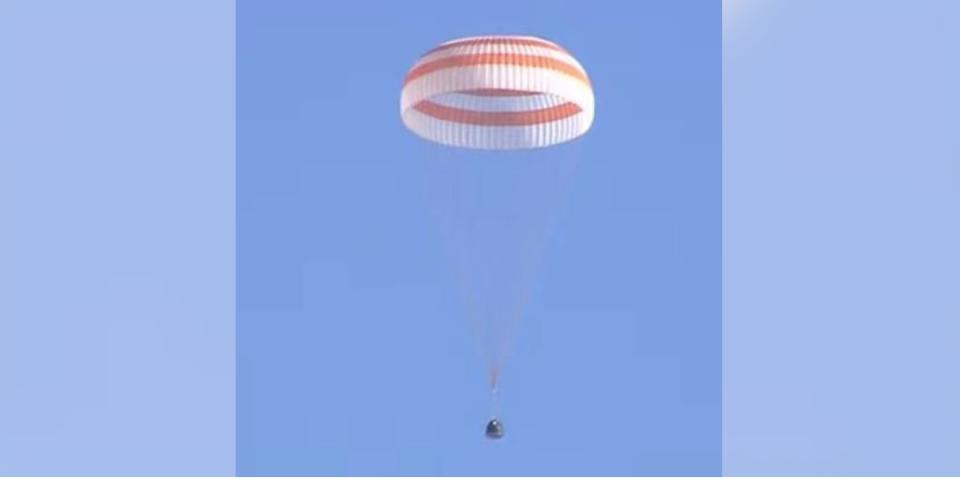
[(494, 429)]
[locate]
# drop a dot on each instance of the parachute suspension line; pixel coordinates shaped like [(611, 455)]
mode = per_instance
[(494, 393), (564, 184), (459, 191), (446, 165)]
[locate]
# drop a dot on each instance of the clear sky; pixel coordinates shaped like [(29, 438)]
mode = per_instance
[(841, 234), (117, 237), (356, 354)]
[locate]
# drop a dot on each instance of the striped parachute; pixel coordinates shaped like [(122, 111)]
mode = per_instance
[(489, 95), (497, 93)]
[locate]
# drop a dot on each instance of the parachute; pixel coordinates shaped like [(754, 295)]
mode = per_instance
[(503, 95), (498, 93)]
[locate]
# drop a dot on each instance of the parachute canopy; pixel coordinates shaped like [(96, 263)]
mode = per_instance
[(499, 93)]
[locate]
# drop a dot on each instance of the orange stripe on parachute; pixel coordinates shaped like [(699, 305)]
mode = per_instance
[(521, 118), (530, 61)]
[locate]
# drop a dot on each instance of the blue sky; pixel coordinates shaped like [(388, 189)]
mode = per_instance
[(356, 352), (117, 282), (841, 200)]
